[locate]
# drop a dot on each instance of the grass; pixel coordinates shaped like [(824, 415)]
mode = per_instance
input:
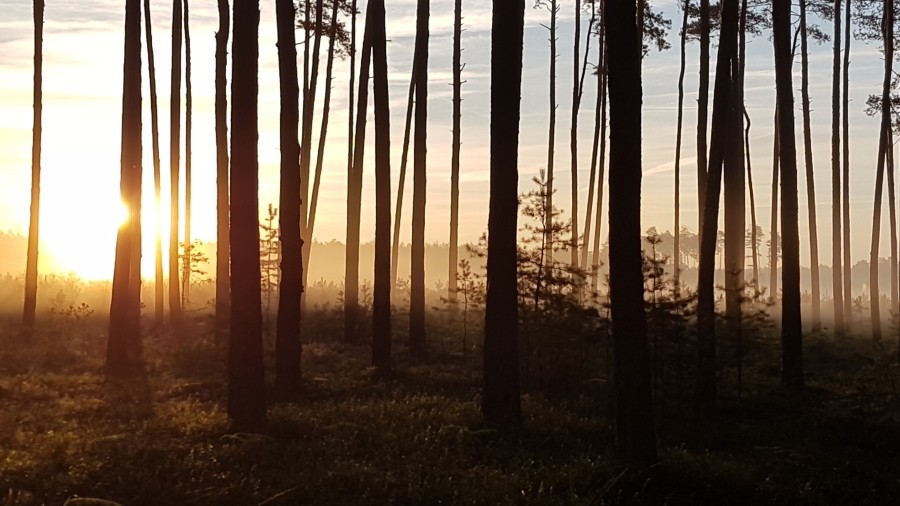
[(161, 436)]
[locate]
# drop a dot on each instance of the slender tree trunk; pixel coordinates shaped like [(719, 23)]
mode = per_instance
[(635, 432), (551, 143), (725, 105), (188, 110), (246, 376), (702, 110), (401, 185), (848, 279), (124, 344), (602, 77), (810, 176), (754, 240), (791, 328), (34, 216), (352, 88), (354, 192), (773, 230), (223, 250), (454, 155), (676, 255), (158, 288), (309, 105), (174, 166), (595, 147), (836, 242), (381, 310), (573, 132), (500, 403), (417, 276), (892, 209), (287, 342)]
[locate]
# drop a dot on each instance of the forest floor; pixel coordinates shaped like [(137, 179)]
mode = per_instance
[(161, 436)]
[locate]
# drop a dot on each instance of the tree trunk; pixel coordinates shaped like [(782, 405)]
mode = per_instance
[(309, 105), (354, 193), (848, 279), (573, 133), (158, 288), (702, 112), (602, 77), (551, 143), (810, 179), (791, 328), (223, 250), (754, 241), (500, 404), (123, 347), (351, 102), (676, 255), (773, 230), (287, 341), (188, 110), (725, 105), (635, 433), (417, 275), (381, 310), (31, 267), (454, 155), (836, 237), (246, 376), (589, 206), (401, 184), (174, 166)]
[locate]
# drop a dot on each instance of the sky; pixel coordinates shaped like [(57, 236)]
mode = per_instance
[(82, 107)]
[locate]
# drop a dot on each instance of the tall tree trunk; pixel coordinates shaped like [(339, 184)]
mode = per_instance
[(595, 147), (246, 376), (124, 344), (754, 241), (417, 275), (773, 230), (309, 105), (31, 266), (848, 279), (500, 403), (174, 166), (551, 143), (603, 78), (354, 192), (892, 210), (885, 144), (188, 111), (635, 433), (158, 288), (702, 111), (381, 310), (454, 152), (223, 250), (401, 184), (725, 108), (810, 176), (352, 88), (836, 237), (676, 255), (573, 132), (287, 342), (791, 328)]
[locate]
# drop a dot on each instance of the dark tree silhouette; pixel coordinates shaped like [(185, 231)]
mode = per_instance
[(836, 259), (223, 250), (676, 255), (401, 184), (635, 433), (417, 275), (188, 140), (845, 164), (158, 288), (246, 378), (573, 131), (175, 164), (600, 136), (381, 310), (551, 142), (702, 109), (31, 266), (810, 181), (454, 151), (791, 328), (500, 404), (287, 341), (124, 344)]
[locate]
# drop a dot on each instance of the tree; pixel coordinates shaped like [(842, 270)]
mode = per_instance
[(404, 157), (677, 254), (124, 344), (34, 221), (836, 259), (791, 327), (381, 302), (810, 181), (158, 288), (845, 179), (635, 433), (223, 251), (500, 404), (246, 376), (773, 230), (354, 193), (287, 341), (589, 211), (309, 103), (175, 164), (702, 113), (417, 275), (188, 111), (573, 130), (725, 111), (551, 143), (600, 137), (454, 151)]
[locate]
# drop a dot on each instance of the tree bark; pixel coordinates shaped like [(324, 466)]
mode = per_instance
[(500, 404), (31, 263), (223, 250), (702, 110), (174, 166), (246, 376)]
